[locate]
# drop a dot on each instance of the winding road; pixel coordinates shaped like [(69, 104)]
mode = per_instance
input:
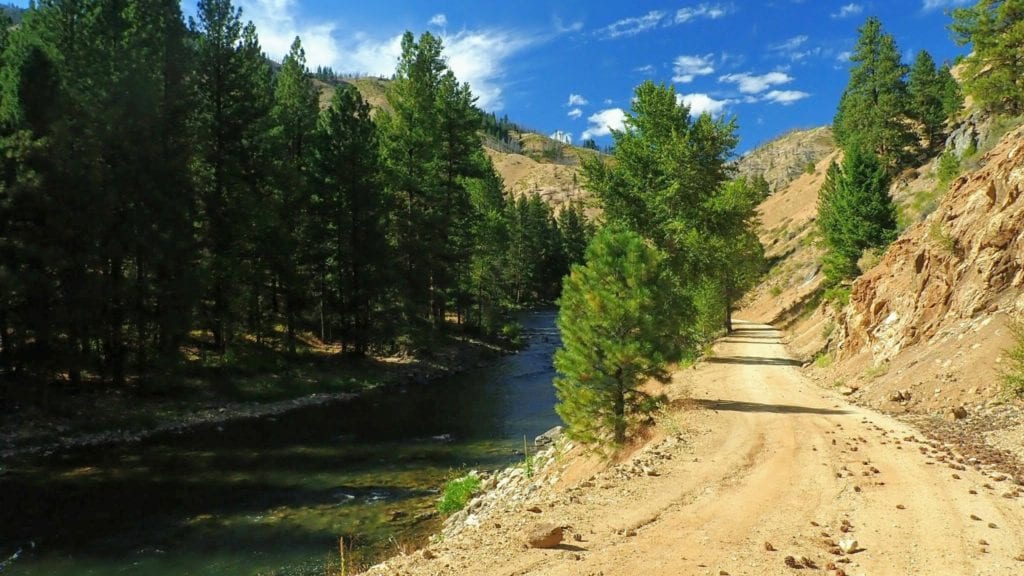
[(772, 466)]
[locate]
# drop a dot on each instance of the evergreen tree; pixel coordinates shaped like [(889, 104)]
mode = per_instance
[(348, 214), (994, 71), (295, 112), (233, 90), (619, 323), (855, 212), (928, 89), (429, 139), (576, 231), (951, 95), (873, 110)]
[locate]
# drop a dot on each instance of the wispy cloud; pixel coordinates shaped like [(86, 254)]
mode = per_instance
[(577, 100), (785, 97), (686, 68), (575, 113), (439, 20), (603, 122), (795, 48), (847, 10), (709, 11), (646, 70), (753, 84), (930, 5), (634, 25), (700, 103)]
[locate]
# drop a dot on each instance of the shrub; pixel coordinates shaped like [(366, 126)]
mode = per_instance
[(949, 167), (457, 493), (1013, 373)]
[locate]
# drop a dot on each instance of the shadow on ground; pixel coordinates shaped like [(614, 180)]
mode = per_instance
[(738, 406), (753, 361)]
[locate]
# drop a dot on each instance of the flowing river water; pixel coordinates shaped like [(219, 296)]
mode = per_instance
[(272, 496)]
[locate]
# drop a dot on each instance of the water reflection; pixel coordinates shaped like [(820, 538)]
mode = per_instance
[(272, 496)]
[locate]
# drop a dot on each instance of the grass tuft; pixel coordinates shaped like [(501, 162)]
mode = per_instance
[(457, 493)]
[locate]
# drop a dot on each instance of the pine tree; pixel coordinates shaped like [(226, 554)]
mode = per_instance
[(429, 139), (348, 214), (618, 320), (994, 72), (231, 121), (295, 112), (927, 91), (855, 212), (873, 111)]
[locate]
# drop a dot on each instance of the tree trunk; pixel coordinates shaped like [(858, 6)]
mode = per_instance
[(619, 409)]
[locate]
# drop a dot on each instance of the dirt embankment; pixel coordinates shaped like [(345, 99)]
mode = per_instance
[(754, 470)]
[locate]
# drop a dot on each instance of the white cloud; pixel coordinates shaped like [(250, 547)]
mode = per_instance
[(936, 4), (576, 100), (793, 48), (575, 113), (700, 103), (785, 97), (790, 44), (646, 70), (753, 84), (709, 11), (633, 25), (475, 56), (658, 18), (603, 122), (439, 20), (847, 10), (563, 137), (277, 27), (562, 27), (686, 68)]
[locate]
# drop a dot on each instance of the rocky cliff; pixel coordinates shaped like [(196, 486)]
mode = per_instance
[(784, 159), (960, 265)]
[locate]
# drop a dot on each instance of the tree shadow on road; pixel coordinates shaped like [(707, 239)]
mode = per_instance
[(753, 361), (740, 406)]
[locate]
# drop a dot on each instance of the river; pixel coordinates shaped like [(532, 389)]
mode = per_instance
[(272, 496)]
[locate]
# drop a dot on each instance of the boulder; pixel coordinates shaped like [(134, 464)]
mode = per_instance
[(544, 535), (548, 438)]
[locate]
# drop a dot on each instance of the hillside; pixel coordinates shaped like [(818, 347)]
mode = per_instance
[(785, 158), (538, 165)]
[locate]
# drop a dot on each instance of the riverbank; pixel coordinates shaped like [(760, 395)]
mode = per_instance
[(215, 396)]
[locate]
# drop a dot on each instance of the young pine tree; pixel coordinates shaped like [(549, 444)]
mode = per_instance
[(619, 320), (855, 212), (927, 90)]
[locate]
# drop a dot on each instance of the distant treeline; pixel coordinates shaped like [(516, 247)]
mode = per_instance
[(164, 188)]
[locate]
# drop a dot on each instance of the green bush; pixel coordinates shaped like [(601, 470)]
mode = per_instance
[(949, 167), (839, 296), (457, 493), (1013, 373)]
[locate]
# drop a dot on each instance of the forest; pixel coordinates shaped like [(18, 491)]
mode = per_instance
[(168, 195)]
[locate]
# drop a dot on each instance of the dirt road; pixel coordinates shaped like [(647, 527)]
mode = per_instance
[(771, 458)]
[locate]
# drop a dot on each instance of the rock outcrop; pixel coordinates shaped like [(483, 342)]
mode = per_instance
[(957, 267), (784, 159)]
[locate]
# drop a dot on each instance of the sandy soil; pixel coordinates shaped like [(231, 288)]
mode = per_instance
[(756, 454)]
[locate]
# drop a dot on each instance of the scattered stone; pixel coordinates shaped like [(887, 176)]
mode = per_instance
[(975, 518), (957, 413), (956, 476), (901, 507), (848, 545), (982, 542), (993, 525), (534, 509), (972, 491), (768, 547), (544, 535), (791, 562), (428, 555)]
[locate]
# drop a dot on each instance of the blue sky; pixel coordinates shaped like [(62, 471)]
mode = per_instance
[(571, 66)]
